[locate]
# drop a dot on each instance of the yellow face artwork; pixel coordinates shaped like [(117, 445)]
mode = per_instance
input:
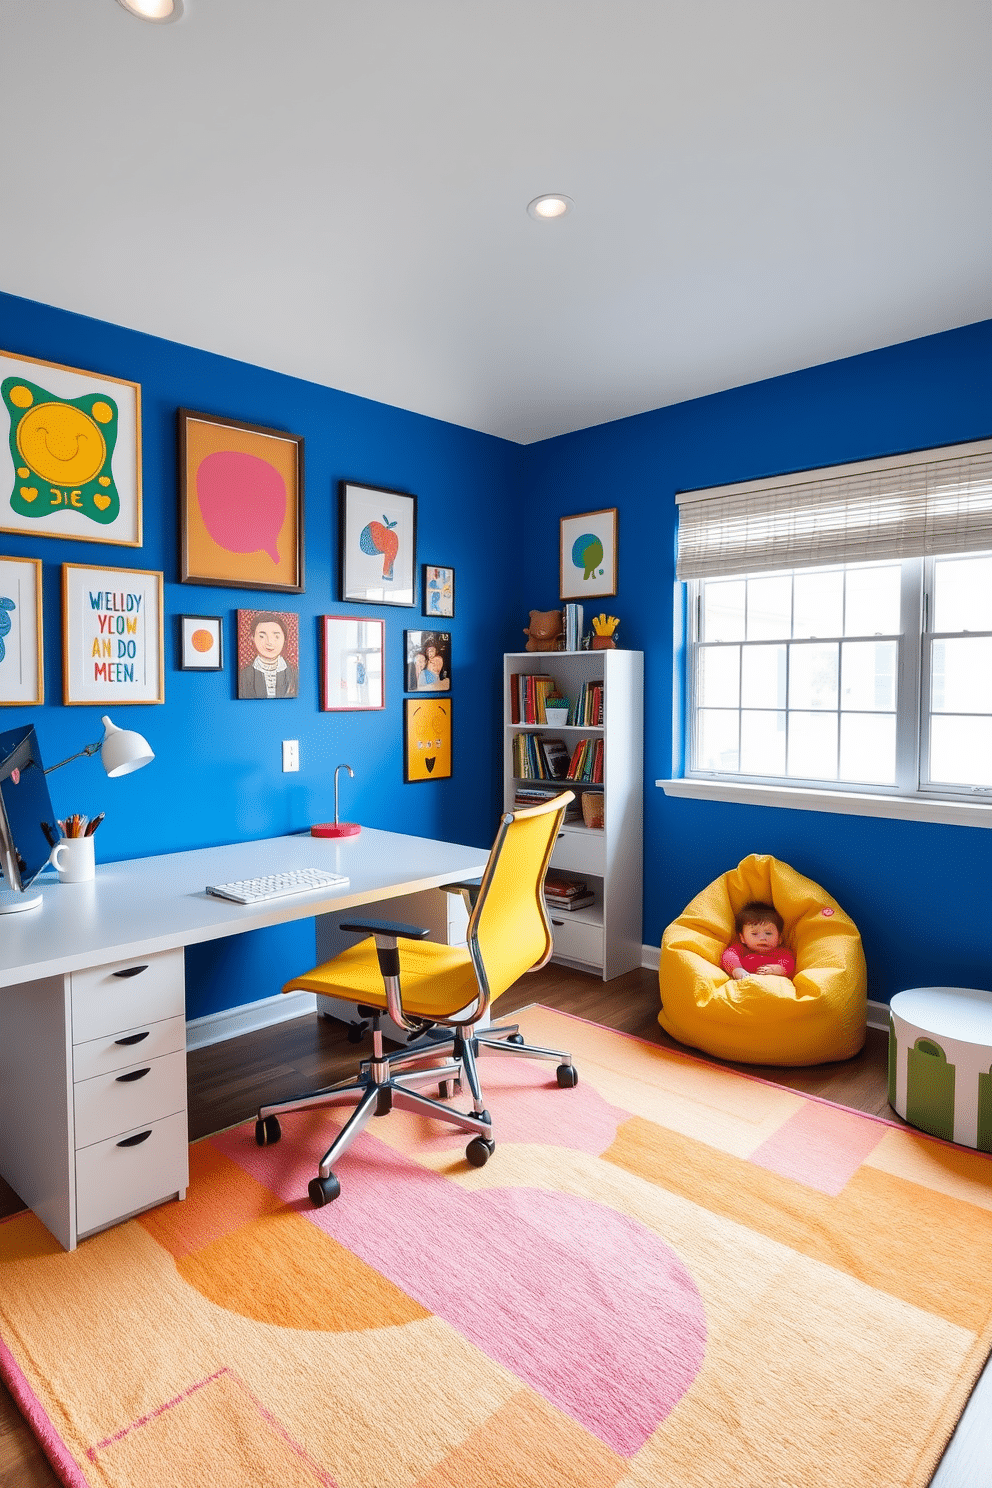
[(428, 739), (60, 444)]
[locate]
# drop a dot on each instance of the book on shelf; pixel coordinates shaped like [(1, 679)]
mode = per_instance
[(563, 885), (588, 708), (537, 795), (586, 763), (528, 693), (581, 901)]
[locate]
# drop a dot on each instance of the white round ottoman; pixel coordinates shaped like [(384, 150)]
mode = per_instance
[(940, 1062)]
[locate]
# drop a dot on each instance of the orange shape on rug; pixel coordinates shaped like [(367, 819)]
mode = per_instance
[(221, 1198), (266, 1270)]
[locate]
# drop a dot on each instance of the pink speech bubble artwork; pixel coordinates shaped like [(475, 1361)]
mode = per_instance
[(243, 501)]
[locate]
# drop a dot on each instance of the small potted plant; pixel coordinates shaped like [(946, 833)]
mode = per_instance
[(556, 710)]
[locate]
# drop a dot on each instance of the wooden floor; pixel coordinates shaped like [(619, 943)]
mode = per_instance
[(229, 1081)]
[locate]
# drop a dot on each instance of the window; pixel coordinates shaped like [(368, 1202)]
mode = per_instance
[(871, 675)]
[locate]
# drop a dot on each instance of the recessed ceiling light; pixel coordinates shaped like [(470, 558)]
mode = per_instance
[(154, 10), (543, 208)]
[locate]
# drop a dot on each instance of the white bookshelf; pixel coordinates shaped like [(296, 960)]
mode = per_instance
[(604, 936)]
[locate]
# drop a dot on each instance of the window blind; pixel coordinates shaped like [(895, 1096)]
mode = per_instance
[(904, 506)]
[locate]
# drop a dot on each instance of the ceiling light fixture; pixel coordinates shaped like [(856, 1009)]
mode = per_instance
[(154, 10), (544, 208)]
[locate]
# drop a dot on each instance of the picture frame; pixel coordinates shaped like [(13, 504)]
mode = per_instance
[(437, 592), (588, 555), (427, 661), (22, 661), (427, 748), (201, 643), (377, 548), (112, 640), (81, 480), (268, 663), (352, 670), (240, 504)]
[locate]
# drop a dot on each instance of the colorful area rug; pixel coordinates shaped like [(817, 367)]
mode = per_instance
[(672, 1274)]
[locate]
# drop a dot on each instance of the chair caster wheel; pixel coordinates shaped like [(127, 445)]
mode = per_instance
[(356, 1032), (479, 1151), (515, 1038), (267, 1131), (448, 1088), (323, 1191), (568, 1076)]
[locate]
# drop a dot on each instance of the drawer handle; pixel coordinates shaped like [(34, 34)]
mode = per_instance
[(133, 1075), (130, 971), (557, 922), (133, 1038), (136, 1140)]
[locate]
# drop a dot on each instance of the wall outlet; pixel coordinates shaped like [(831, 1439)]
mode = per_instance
[(290, 754)]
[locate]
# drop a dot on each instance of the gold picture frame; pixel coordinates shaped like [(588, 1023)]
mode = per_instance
[(70, 466), (22, 660), (112, 635)]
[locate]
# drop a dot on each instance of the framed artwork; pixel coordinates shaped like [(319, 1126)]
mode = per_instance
[(22, 672), (427, 746), (240, 504), (352, 673), (588, 556), (201, 643), (72, 462), (268, 654), (437, 591), (377, 545), (427, 659), (111, 635)]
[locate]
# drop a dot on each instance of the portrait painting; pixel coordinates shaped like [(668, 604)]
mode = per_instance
[(72, 462), (427, 755), (268, 654), (427, 655)]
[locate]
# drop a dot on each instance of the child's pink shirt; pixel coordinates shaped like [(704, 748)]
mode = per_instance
[(739, 955)]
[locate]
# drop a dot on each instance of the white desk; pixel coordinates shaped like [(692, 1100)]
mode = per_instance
[(92, 1054)]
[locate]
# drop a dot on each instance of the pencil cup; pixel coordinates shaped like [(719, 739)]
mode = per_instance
[(73, 859)]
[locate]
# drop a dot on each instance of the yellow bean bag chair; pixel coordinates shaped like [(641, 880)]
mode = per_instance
[(819, 1016)]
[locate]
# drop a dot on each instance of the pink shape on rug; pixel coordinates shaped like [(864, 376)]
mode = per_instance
[(820, 1146), (532, 1278)]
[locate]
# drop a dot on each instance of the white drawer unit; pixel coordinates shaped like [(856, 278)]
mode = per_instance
[(577, 941), (97, 1057)]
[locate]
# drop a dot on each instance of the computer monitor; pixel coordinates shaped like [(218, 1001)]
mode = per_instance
[(25, 812)]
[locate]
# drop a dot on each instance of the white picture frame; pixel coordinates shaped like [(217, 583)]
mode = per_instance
[(22, 662), (90, 495), (112, 650)]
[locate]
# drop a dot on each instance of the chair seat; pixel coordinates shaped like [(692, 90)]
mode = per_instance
[(437, 981)]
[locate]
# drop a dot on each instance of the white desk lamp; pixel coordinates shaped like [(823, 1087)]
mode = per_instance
[(122, 751)]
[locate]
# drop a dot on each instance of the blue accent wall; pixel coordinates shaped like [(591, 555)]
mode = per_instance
[(217, 776), (491, 509), (918, 892)]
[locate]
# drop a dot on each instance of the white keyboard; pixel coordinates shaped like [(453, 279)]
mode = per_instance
[(277, 885)]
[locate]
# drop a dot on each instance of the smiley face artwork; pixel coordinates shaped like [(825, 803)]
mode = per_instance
[(428, 739), (62, 450)]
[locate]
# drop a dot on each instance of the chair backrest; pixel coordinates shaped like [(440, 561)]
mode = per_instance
[(509, 931)]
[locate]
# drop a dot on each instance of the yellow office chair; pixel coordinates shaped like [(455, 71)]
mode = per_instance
[(425, 986)]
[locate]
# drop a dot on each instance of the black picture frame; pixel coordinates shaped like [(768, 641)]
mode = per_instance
[(190, 651), (428, 750), (374, 568), (434, 649), (438, 591)]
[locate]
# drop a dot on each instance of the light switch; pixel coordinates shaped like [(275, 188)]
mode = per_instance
[(290, 754)]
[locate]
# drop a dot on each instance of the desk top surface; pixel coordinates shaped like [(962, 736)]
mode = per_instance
[(155, 904)]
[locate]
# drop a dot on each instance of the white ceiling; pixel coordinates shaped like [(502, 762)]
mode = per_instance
[(337, 189)]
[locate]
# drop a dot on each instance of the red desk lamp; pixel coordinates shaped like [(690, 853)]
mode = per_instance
[(337, 828)]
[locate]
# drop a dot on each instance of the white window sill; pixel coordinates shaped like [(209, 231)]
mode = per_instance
[(846, 803)]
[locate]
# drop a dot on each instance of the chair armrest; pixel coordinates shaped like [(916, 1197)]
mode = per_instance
[(386, 927), (468, 888)]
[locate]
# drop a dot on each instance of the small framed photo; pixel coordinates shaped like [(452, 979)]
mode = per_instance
[(437, 591), (22, 671), (268, 654), (112, 648), (427, 658), (201, 639), (240, 504), (427, 746), (588, 555), (72, 462), (352, 672), (377, 545)]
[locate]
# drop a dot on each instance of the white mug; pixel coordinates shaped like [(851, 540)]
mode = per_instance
[(73, 859)]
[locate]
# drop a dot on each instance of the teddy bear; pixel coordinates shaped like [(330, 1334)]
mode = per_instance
[(545, 631)]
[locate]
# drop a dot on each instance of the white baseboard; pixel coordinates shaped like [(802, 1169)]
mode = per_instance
[(229, 1023), (878, 1012)]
